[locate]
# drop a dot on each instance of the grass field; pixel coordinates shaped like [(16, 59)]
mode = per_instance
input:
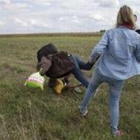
[(32, 114)]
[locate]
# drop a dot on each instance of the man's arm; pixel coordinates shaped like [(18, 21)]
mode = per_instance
[(44, 65)]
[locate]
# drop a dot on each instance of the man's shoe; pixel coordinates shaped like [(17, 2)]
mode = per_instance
[(78, 90)]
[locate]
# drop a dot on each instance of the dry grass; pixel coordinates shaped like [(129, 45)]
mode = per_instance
[(30, 114)]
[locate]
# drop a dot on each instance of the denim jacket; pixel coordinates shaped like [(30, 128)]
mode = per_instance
[(120, 53)]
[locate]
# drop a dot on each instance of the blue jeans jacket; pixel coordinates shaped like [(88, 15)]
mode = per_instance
[(119, 49)]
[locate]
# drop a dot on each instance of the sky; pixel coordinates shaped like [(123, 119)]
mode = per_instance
[(54, 16)]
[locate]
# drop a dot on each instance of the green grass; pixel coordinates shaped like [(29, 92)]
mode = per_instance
[(32, 114)]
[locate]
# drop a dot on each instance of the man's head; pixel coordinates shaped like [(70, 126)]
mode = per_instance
[(46, 50)]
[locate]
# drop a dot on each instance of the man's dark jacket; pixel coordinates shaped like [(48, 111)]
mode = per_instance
[(55, 65)]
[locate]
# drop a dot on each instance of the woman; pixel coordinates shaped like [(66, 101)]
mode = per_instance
[(119, 51)]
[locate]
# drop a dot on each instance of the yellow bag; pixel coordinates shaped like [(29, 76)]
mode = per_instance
[(59, 86)]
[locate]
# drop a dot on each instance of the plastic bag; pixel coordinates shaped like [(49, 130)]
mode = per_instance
[(35, 80)]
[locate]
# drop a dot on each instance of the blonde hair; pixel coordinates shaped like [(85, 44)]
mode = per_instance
[(125, 16)]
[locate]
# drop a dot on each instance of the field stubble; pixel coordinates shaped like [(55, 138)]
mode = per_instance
[(32, 114)]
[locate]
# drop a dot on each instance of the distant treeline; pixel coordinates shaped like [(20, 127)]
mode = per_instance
[(53, 34)]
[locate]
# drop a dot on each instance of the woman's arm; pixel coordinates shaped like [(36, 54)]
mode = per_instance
[(99, 48)]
